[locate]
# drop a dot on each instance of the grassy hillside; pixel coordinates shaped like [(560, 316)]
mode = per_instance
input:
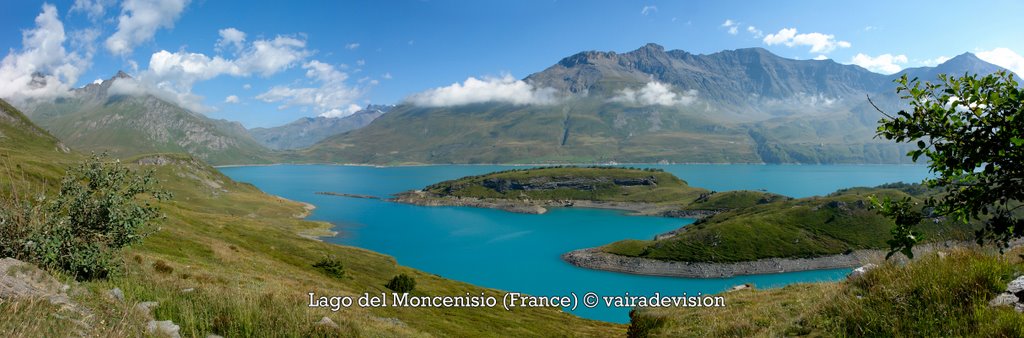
[(935, 296), (806, 227), (580, 131), (129, 126), (234, 261)]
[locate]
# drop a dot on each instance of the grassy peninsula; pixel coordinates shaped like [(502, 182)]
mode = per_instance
[(841, 222)]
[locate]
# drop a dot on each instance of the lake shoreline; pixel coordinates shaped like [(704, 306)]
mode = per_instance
[(596, 259), (553, 164)]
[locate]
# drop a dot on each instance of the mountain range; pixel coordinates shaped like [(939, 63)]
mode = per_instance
[(744, 105), (307, 131), (96, 118), (645, 106)]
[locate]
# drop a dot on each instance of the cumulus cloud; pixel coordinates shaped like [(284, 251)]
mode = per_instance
[(43, 68), (731, 26), (935, 62), (505, 89), (231, 37), (819, 43), (821, 57), (232, 99), (885, 63), (94, 9), (179, 71), (648, 10), (1004, 57), (144, 86), (655, 93), (757, 33), (139, 21), (332, 97)]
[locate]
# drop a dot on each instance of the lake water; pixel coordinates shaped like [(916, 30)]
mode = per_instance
[(520, 253)]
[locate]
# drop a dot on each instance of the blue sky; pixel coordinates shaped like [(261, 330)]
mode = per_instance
[(302, 58)]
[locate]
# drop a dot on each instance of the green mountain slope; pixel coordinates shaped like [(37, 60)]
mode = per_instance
[(749, 106), (94, 120)]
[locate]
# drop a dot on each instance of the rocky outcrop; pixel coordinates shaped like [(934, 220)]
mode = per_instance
[(1013, 296), (502, 185)]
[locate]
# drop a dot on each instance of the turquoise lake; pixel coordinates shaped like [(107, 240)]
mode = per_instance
[(520, 253)]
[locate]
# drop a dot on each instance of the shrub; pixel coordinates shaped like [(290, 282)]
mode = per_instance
[(100, 208), (402, 283), (331, 266), (162, 267)]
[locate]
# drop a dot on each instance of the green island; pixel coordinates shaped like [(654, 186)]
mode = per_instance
[(231, 260), (641, 191)]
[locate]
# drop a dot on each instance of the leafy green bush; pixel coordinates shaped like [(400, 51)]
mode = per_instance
[(402, 284), (331, 266), (100, 208)]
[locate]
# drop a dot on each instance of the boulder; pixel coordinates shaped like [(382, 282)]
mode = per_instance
[(117, 294), (1012, 296), (163, 328), (327, 322)]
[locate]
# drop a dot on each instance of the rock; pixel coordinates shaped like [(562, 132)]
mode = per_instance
[(117, 294), (1016, 286), (740, 287), (1003, 299), (327, 322), (23, 280), (859, 272), (214, 336), (187, 290), (163, 328), (146, 307), (1014, 295)]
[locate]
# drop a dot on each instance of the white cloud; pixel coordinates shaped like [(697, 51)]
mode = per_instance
[(648, 10), (820, 43), (935, 62), (352, 46), (94, 9), (1006, 58), (757, 33), (489, 89), (176, 73), (885, 63), (43, 68), (139, 21), (821, 57), (232, 99), (655, 93), (731, 26), (267, 57), (231, 37), (869, 28), (247, 86), (143, 86), (360, 62), (386, 76), (333, 97)]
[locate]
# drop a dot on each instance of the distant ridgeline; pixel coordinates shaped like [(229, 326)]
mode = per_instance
[(735, 106)]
